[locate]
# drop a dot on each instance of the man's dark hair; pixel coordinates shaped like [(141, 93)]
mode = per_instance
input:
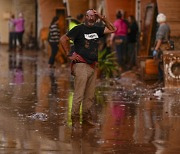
[(56, 18), (119, 15), (12, 16), (80, 16), (132, 18)]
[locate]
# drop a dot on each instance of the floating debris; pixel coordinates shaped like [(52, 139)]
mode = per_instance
[(39, 116), (158, 93)]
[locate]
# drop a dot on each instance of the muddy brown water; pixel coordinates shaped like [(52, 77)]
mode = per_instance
[(35, 105)]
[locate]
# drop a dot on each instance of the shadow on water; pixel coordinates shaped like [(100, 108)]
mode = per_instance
[(35, 111)]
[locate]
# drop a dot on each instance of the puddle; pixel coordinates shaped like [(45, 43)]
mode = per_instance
[(35, 115)]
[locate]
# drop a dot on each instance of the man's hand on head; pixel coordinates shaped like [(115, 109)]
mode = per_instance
[(99, 16)]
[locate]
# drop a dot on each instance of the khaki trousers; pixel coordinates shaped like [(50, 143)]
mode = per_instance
[(84, 88)]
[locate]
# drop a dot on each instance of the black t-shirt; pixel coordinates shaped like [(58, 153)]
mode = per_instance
[(132, 35), (86, 41)]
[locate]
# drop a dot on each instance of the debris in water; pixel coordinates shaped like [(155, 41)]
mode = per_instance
[(39, 116), (158, 93)]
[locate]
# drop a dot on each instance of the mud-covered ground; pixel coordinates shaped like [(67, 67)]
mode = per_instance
[(35, 105)]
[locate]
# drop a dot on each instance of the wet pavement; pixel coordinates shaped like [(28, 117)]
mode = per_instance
[(35, 105)]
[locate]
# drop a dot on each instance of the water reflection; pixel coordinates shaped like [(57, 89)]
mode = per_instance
[(85, 141), (118, 126), (35, 108), (147, 122), (53, 82), (16, 65), (50, 106), (157, 122)]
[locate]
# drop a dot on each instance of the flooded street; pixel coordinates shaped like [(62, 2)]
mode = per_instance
[(35, 117)]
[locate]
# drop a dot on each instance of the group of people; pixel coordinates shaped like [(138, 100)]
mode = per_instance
[(16, 31), (124, 40), (84, 57)]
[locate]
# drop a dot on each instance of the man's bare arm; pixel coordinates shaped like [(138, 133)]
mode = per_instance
[(66, 46), (158, 44), (110, 28)]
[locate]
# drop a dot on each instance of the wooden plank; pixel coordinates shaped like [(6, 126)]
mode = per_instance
[(147, 39)]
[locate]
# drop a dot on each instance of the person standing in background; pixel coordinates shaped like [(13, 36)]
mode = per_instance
[(53, 39), (132, 39), (119, 38), (12, 38), (19, 30), (161, 44), (74, 22)]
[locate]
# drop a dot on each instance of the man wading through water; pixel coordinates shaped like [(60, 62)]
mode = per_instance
[(84, 59)]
